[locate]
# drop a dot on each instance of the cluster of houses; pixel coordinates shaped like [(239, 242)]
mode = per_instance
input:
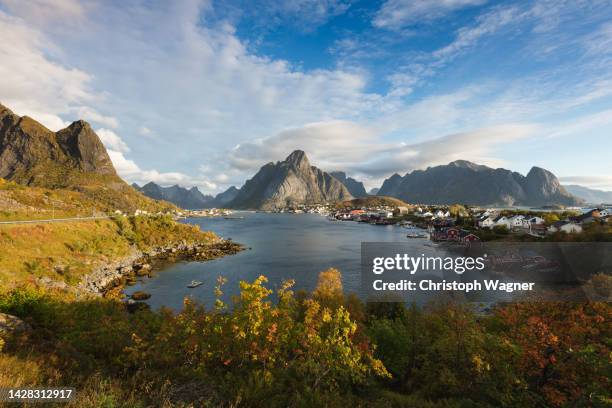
[(529, 223), (573, 225), (536, 225), (452, 234), (379, 215)]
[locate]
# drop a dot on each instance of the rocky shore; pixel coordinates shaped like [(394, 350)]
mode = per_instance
[(139, 263)]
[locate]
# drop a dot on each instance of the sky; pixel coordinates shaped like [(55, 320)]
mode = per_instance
[(204, 92)]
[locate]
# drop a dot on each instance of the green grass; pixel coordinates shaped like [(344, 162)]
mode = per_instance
[(68, 250)]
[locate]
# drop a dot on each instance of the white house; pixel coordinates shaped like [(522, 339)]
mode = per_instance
[(502, 221), (440, 214), (568, 227), (516, 221), (487, 222), (532, 220)]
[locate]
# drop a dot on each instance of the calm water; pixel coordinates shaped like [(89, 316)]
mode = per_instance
[(284, 246)]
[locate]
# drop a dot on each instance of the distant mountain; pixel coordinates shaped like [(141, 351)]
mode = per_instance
[(390, 186), (290, 182), (185, 198), (469, 183), (222, 199), (73, 158), (590, 195), (190, 199), (354, 187), (373, 191)]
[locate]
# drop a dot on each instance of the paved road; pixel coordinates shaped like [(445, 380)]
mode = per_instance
[(105, 217)]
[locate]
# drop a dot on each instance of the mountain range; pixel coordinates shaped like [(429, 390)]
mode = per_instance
[(289, 182), (590, 195), (469, 183), (191, 198), (354, 187), (73, 158)]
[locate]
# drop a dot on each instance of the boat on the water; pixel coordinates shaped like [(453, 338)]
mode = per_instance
[(416, 235), (195, 284)]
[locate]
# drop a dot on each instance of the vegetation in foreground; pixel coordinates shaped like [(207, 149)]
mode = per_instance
[(66, 251), (318, 349)]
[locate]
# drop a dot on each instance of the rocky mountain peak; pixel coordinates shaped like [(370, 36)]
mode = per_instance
[(465, 164), (290, 182), (298, 160), (483, 185), (80, 142)]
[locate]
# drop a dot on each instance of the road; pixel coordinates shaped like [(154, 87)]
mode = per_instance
[(104, 217)]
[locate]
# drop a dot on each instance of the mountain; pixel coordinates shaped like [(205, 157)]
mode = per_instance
[(590, 195), (390, 186), (469, 183), (222, 199), (32, 154), (73, 158), (185, 198), (290, 182), (354, 187), (374, 191)]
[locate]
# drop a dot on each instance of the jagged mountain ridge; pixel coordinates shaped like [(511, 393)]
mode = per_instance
[(73, 158), (469, 183), (187, 198), (290, 182), (34, 155), (354, 187)]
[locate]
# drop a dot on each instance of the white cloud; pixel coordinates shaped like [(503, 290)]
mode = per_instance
[(131, 172), (90, 114), (396, 14), (486, 24), (144, 131), (112, 141), (32, 84), (347, 146), (596, 182)]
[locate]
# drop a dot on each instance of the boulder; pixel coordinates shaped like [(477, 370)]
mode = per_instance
[(140, 295), (12, 325)]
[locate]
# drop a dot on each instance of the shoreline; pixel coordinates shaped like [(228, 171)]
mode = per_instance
[(110, 279)]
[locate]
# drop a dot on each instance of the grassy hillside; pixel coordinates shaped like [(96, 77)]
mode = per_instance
[(68, 250), (373, 201), (19, 202)]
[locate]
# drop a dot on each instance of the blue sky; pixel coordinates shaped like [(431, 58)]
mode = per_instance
[(203, 93)]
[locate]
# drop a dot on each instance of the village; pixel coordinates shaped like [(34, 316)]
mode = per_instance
[(463, 224)]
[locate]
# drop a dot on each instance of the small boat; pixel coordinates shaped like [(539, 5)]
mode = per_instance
[(195, 284), (416, 236)]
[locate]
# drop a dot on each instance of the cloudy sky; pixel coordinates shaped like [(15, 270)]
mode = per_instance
[(203, 93)]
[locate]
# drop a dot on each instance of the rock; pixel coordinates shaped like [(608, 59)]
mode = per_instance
[(133, 306), (140, 295), (290, 182), (12, 325), (469, 183), (60, 269)]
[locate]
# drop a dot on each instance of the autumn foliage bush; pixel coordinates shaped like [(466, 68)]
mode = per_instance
[(318, 349)]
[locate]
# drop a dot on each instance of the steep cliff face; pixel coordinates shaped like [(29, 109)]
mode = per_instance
[(389, 186), (469, 183), (290, 182), (73, 158), (34, 155), (354, 187)]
